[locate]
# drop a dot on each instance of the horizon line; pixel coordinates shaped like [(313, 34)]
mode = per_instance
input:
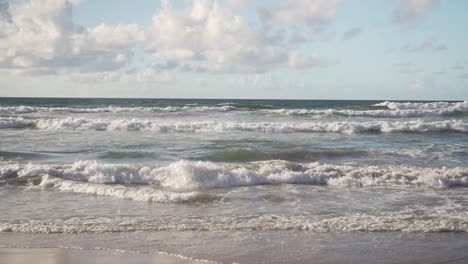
[(237, 99)]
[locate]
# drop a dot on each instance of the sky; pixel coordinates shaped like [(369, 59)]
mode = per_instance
[(259, 49)]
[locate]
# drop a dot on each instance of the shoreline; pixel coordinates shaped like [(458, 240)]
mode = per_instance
[(234, 247), (17, 255)]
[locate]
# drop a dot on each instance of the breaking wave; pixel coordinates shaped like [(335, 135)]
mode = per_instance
[(418, 221), (448, 106), (218, 126), (90, 176), (122, 192), (12, 122), (392, 109), (111, 109), (396, 113), (247, 105)]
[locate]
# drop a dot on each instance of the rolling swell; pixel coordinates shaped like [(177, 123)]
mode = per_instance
[(244, 154), (12, 155)]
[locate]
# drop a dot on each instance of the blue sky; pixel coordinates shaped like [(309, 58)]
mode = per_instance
[(295, 49)]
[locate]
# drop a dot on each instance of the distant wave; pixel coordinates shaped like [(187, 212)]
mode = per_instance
[(415, 221), (94, 178), (393, 109), (458, 106), (114, 109), (394, 113), (246, 105), (414, 126)]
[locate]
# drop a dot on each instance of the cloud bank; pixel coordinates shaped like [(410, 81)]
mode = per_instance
[(40, 37)]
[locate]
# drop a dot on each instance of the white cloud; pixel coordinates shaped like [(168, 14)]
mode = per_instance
[(118, 37), (408, 10), (207, 37), (315, 60), (40, 37), (294, 11), (236, 4), (267, 81), (148, 75)]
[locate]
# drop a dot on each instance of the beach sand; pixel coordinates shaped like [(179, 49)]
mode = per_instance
[(236, 247), (76, 256)]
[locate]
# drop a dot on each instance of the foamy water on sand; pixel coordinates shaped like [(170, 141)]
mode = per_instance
[(126, 173)]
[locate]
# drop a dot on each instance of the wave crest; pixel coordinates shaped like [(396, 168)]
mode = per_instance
[(146, 194), (392, 109), (194, 175), (217, 126), (392, 113), (23, 109), (454, 106)]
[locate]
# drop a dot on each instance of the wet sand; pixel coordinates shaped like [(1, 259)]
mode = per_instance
[(76, 256), (236, 247)]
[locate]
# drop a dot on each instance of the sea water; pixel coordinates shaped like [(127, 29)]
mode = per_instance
[(212, 169)]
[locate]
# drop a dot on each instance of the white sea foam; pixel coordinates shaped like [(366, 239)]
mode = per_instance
[(217, 126), (396, 113), (145, 194), (114, 109), (15, 122), (440, 220), (394, 110), (192, 175), (447, 106)]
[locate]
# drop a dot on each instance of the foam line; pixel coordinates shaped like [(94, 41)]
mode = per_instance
[(414, 126)]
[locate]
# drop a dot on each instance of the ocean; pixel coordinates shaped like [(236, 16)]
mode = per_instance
[(248, 181)]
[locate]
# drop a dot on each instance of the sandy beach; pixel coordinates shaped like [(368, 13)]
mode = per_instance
[(76, 256), (235, 247)]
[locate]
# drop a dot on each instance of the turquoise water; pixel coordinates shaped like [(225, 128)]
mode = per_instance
[(102, 166)]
